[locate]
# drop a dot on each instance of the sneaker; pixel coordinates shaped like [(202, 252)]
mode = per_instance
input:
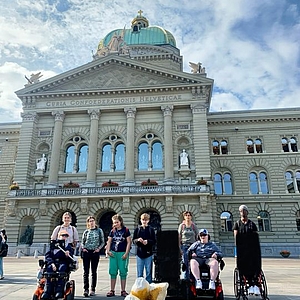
[(124, 293), (86, 293), (199, 284), (92, 293), (256, 290), (211, 285), (251, 290), (2, 277)]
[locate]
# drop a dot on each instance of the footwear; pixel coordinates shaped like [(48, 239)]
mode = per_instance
[(256, 290), (251, 290), (111, 293), (92, 293), (124, 293), (86, 293), (198, 284), (2, 277), (211, 285)]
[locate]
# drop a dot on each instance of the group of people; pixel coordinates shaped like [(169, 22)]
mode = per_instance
[(198, 251), (117, 249)]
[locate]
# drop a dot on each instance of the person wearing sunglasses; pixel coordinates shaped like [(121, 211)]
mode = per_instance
[(204, 252), (57, 260)]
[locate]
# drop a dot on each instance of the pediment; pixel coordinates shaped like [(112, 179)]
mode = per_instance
[(114, 73)]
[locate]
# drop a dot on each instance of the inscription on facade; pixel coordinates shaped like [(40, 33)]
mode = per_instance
[(109, 101)]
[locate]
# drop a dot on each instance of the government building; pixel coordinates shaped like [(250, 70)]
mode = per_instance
[(131, 132)]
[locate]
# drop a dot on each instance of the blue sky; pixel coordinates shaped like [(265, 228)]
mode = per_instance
[(250, 48)]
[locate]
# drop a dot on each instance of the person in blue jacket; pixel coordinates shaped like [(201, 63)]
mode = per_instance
[(204, 252), (57, 261)]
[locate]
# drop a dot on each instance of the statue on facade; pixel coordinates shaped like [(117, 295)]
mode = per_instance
[(184, 160), (196, 68), (27, 236), (34, 78), (41, 163)]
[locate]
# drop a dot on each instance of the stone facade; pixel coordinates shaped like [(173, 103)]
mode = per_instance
[(116, 98)]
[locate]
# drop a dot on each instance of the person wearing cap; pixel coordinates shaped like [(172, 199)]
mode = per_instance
[(57, 261), (204, 252), (248, 249)]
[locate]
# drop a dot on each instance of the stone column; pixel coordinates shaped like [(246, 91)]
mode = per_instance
[(168, 144), (129, 167), (25, 162), (201, 141), (93, 147), (55, 153)]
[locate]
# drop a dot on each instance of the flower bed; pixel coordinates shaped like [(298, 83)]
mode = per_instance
[(109, 183), (71, 184), (149, 182), (14, 187)]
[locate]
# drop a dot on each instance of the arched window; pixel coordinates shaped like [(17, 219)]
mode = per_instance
[(298, 219), (264, 223), (258, 146), (254, 146), (113, 154), (76, 158), (223, 184), (292, 180), (258, 183), (226, 221), (219, 147), (70, 159), (250, 147), (83, 159), (150, 155), (289, 145)]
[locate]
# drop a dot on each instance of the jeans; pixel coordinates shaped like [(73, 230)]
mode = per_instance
[(146, 263), (1, 267), (90, 259), (185, 259)]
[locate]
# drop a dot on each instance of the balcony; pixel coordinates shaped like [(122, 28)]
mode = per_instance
[(114, 190)]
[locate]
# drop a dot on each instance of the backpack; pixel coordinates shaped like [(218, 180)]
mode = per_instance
[(3, 249)]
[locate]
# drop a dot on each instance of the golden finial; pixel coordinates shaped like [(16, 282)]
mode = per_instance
[(140, 12)]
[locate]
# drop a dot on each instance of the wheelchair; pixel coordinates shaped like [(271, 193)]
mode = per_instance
[(205, 292), (54, 277), (241, 286)]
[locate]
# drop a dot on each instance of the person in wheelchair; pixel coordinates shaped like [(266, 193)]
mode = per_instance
[(57, 260), (204, 253)]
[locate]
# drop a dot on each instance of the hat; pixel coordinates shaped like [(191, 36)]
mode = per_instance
[(203, 231), (63, 232), (243, 207)]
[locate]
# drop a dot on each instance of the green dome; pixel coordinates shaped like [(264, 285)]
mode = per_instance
[(152, 35)]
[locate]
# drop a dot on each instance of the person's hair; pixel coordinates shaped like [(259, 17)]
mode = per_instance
[(87, 221), (67, 214), (187, 213), (118, 217), (145, 216), (3, 231)]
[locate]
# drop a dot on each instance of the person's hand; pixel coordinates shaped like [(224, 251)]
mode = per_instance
[(96, 250), (215, 256), (194, 254), (67, 253), (109, 253), (140, 240), (145, 242), (53, 267), (124, 256)]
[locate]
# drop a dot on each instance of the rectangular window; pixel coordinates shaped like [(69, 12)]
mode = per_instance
[(46, 132), (182, 126)]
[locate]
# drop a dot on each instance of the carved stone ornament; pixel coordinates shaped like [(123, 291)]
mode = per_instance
[(169, 204), (126, 205), (11, 208), (84, 206), (43, 207), (203, 203)]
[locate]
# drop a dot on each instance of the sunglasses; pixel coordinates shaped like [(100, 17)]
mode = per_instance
[(64, 235), (203, 235)]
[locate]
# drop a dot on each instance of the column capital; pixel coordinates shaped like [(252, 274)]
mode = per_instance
[(130, 112), (59, 115), (199, 108), (94, 114), (167, 110), (30, 116)]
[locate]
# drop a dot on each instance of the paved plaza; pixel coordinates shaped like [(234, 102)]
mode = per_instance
[(282, 275)]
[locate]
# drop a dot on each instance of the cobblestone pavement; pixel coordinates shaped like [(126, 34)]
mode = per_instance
[(282, 276)]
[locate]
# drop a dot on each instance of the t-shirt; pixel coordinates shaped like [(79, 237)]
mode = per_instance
[(72, 231), (119, 239), (245, 228), (188, 235)]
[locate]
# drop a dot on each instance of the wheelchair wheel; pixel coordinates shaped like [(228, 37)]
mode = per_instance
[(70, 290), (35, 297), (237, 284), (263, 286)]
